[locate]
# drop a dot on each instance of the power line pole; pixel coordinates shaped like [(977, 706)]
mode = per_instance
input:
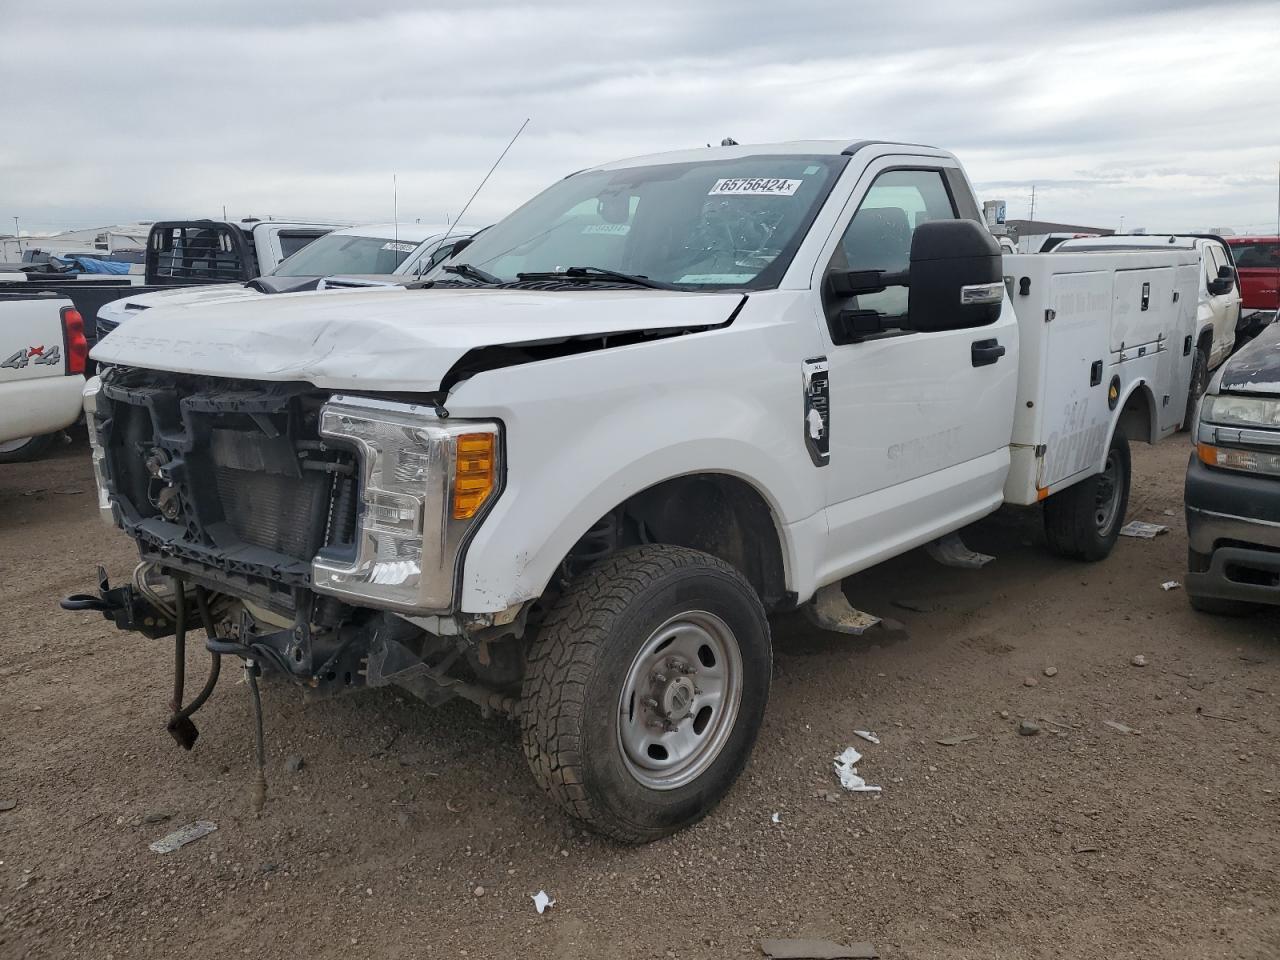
[(1032, 215), (18, 234)]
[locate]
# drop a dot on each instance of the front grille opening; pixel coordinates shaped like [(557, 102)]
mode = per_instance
[(260, 494), (1239, 573)]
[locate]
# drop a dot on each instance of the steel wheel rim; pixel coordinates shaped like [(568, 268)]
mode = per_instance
[(9, 446), (1107, 504), (680, 700)]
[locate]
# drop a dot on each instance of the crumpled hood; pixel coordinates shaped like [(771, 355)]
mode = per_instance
[(389, 339), (1256, 367)]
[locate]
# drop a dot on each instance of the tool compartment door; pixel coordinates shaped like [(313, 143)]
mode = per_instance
[(1076, 414), (1141, 304), (1178, 357)]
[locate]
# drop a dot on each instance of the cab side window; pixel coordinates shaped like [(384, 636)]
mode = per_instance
[(879, 235)]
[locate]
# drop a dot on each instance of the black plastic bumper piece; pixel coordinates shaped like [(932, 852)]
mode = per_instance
[(123, 606), (1239, 573), (1233, 523)]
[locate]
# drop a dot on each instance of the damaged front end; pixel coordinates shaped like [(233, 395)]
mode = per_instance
[(318, 537)]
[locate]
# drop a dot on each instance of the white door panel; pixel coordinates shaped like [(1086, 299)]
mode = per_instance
[(918, 434)]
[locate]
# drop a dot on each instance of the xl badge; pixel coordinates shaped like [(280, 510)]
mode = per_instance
[(817, 410)]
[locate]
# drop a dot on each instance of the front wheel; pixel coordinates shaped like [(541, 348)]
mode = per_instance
[(1083, 521), (24, 449), (645, 690)]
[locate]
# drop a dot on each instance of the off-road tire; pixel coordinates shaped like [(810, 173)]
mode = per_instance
[(576, 671), (33, 449), (1070, 523), (1199, 381)]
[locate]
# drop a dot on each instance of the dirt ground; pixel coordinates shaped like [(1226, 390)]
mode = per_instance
[(410, 832)]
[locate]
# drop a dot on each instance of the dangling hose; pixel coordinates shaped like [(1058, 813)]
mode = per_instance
[(180, 725), (258, 798), (179, 646)]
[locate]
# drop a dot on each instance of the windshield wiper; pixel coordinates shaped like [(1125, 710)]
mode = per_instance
[(471, 273), (590, 274)]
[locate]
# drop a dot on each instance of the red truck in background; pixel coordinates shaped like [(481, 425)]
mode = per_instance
[(1258, 266)]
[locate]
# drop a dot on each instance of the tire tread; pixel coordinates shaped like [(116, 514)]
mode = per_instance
[(560, 665)]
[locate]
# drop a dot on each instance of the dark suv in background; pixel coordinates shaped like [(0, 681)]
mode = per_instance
[(1233, 484)]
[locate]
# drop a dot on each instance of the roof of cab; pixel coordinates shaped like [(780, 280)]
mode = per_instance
[(833, 148), (409, 232)]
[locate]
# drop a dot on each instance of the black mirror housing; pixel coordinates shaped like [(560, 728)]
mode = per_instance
[(957, 276)]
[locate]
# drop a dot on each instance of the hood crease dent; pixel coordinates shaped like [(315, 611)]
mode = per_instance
[(393, 341)]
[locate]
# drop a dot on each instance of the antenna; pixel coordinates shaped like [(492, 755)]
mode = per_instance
[(463, 212), (1032, 215), (395, 206)]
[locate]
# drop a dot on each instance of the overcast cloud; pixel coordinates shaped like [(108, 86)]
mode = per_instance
[(1164, 113)]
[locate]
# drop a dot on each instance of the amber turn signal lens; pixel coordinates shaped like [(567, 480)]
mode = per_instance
[(475, 474)]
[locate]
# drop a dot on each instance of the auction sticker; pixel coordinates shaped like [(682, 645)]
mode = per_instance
[(399, 246), (763, 186)]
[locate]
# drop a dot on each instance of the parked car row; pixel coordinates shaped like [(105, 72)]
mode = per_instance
[(367, 256), (179, 253)]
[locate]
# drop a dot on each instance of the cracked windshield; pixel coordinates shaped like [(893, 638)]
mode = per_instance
[(713, 224)]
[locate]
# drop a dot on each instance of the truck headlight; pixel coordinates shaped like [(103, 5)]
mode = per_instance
[(1232, 410), (425, 484)]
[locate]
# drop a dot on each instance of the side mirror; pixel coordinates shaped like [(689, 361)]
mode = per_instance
[(957, 276), (1224, 282)]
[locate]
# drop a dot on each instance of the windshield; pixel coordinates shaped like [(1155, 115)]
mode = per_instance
[(711, 224), (344, 254)]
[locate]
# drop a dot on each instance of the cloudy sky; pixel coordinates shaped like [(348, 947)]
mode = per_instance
[(1163, 112)]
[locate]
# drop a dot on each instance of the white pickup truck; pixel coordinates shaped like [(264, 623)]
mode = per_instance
[(42, 360), (663, 399)]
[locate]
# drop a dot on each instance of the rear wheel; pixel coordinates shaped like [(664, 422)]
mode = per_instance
[(645, 690), (26, 448), (1199, 381), (1083, 521)]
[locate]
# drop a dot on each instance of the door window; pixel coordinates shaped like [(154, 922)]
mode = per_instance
[(1214, 260), (879, 235)]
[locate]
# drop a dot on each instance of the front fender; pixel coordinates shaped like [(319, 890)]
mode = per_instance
[(585, 432)]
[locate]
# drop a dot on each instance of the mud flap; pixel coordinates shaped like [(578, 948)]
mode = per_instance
[(830, 610)]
